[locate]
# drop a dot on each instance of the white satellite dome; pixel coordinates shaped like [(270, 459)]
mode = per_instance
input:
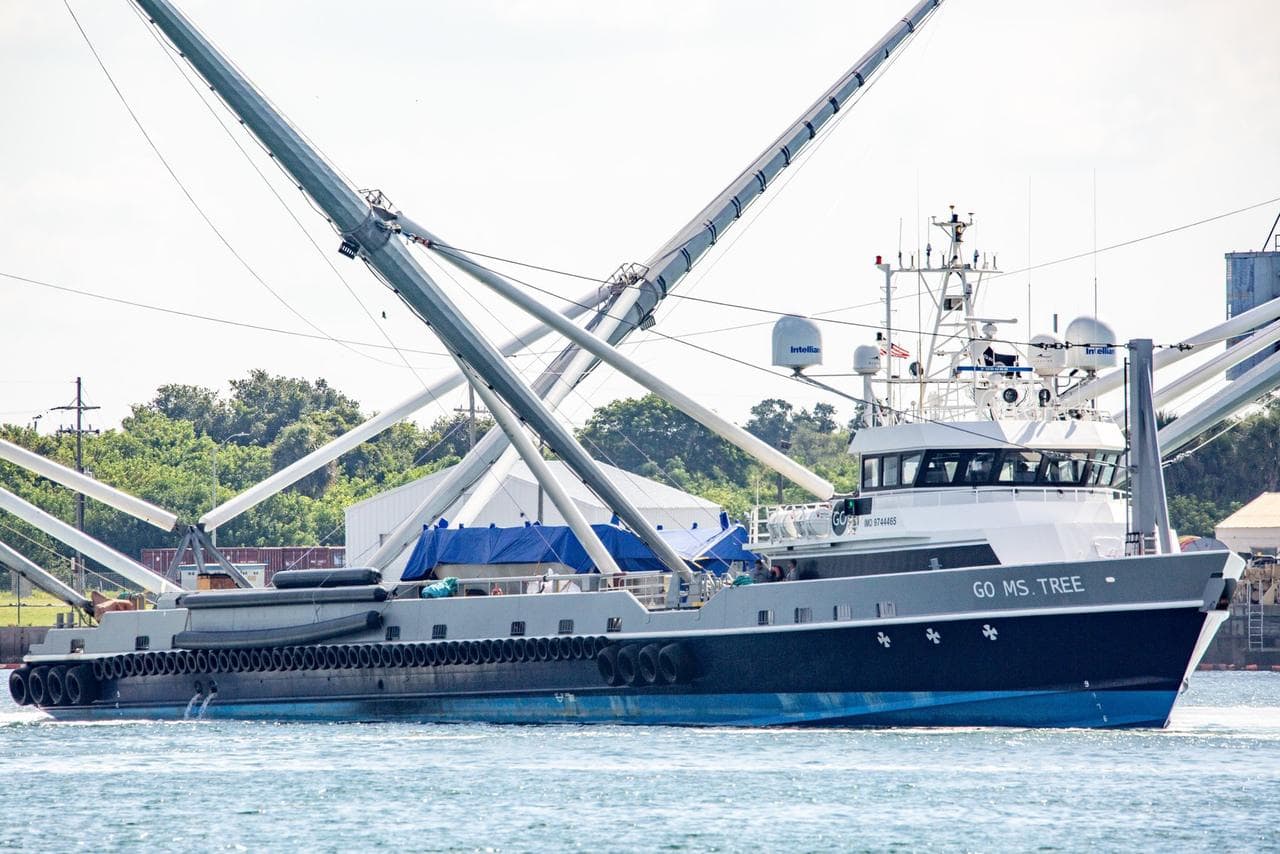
[(866, 360), (797, 343), (1092, 345), (1046, 356)]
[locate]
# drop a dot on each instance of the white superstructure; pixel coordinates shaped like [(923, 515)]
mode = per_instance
[(968, 456)]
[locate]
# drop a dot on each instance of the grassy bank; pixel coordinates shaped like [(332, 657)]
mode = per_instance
[(38, 609)]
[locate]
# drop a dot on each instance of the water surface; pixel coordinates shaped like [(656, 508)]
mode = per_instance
[(1210, 781)]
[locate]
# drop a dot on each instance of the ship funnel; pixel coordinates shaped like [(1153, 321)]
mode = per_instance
[(797, 343)]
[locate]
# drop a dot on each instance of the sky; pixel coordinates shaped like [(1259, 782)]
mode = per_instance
[(582, 135)]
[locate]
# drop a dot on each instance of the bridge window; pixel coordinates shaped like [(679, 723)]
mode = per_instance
[(1019, 467), (910, 467), (870, 472), (980, 469), (889, 471), (941, 468), (1102, 469), (1064, 470)]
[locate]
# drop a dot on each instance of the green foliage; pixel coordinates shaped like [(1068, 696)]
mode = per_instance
[(190, 448), (1229, 471), (650, 437), (183, 451)]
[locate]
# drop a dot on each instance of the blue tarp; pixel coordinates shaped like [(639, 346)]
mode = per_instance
[(705, 548)]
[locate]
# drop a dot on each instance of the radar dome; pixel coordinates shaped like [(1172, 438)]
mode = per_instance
[(1046, 356), (797, 343), (1091, 345), (866, 360)]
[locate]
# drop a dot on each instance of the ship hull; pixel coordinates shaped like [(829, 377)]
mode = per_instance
[(1089, 668)]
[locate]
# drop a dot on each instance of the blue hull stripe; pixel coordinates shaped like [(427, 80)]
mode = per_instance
[(955, 708)]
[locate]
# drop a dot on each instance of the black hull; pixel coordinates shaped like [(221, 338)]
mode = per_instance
[(1093, 668)]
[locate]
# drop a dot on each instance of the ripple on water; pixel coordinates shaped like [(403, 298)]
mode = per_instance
[(1206, 782)]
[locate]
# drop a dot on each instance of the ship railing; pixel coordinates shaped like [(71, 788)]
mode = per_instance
[(649, 588), (812, 521), (806, 520), (971, 411)]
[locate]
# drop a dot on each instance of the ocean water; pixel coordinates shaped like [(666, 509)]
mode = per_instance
[(1209, 782)]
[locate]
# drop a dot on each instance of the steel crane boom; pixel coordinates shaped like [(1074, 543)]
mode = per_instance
[(638, 289), (366, 233)]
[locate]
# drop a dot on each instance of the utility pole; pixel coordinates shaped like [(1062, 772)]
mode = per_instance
[(470, 409), (79, 430)]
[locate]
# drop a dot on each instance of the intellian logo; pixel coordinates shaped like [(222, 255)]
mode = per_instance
[(807, 348)]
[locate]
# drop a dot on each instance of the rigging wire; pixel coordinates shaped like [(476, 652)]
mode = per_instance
[(191, 199), (459, 253), (574, 390), (987, 274), (756, 367), (257, 327), (167, 50)]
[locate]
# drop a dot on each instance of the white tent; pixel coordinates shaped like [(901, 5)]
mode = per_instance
[(370, 521), (1254, 528)]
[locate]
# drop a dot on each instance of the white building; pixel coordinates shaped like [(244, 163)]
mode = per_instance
[(1254, 528), (370, 521)]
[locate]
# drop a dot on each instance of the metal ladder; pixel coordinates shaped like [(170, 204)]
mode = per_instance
[(1253, 616)]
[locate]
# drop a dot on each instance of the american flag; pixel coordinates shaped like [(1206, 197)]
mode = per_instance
[(895, 351)]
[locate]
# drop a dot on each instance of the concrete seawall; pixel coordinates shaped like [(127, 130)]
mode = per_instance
[(15, 641)]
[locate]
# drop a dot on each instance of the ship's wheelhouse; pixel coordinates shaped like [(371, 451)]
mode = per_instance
[(974, 467)]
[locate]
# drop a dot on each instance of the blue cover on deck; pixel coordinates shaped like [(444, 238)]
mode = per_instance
[(704, 548)]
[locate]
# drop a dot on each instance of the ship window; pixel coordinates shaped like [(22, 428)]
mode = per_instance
[(842, 612), (614, 624), (142, 642), (910, 465), (804, 615), (517, 628), (981, 467), (1019, 467), (1064, 470), (393, 633), (870, 472), (940, 467), (886, 609), (566, 627), (439, 631), (77, 644), (1103, 469), (764, 618), (889, 471)]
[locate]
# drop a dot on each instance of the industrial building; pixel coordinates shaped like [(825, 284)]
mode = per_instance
[(520, 500), (1254, 529), (1252, 279)]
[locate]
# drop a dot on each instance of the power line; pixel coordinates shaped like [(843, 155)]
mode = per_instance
[(1132, 241), (324, 256), (191, 199), (257, 327)]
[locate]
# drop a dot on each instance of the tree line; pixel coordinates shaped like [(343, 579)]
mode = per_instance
[(166, 451)]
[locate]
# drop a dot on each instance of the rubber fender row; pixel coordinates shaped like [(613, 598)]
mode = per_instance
[(347, 656), (56, 685), (642, 665)]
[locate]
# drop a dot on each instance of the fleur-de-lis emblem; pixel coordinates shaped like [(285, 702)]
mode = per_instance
[(933, 636), (883, 639), (990, 632)]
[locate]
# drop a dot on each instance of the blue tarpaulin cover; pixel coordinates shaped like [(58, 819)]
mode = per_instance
[(706, 548)]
